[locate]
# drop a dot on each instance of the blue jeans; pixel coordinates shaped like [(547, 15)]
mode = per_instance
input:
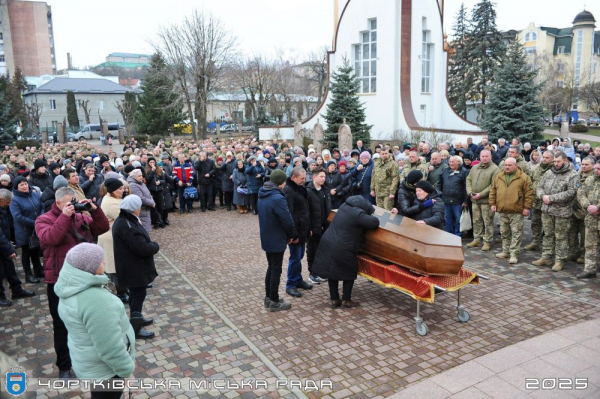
[(452, 218), (294, 274)]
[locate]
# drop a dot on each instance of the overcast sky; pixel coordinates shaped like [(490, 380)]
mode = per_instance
[(90, 30)]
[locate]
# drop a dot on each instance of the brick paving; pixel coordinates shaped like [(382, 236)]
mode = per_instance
[(210, 321)]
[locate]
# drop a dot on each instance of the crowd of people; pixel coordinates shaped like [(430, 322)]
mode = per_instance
[(56, 198)]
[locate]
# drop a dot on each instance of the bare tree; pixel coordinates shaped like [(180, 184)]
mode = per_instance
[(196, 51), (128, 109), (590, 94), (85, 104), (316, 67), (34, 112)]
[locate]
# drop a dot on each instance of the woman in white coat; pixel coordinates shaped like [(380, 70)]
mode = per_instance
[(111, 206)]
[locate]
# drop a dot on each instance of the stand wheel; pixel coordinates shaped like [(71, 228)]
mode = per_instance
[(463, 315), (421, 329)]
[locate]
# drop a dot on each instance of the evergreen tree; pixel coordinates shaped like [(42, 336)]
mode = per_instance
[(8, 132), (159, 107), (459, 84), (13, 90), (513, 109), (485, 50), (72, 116), (345, 104)]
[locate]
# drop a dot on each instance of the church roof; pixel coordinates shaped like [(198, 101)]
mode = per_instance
[(584, 16)]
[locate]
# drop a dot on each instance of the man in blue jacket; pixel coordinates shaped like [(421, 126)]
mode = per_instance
[(453, 185), (276, 231), (7, 254)]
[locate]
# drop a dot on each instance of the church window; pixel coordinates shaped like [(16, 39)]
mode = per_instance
[(426, 55), (365, 59)]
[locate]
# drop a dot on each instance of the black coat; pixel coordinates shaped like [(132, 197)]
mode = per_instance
[(332, 180), (203, 168), (151, 179), (6, 248), (319, 205), (91, 189), (274, 219), (407, 199), (48, 198), (169, 184), (454, 186), (297, 200), (134, 252), (336, 254), (42, 181), (219, 179), (226, 182), (432, 216)]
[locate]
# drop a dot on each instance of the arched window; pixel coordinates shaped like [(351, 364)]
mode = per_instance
[(530, 37)]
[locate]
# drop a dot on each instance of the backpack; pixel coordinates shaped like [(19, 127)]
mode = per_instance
[(191, 194)]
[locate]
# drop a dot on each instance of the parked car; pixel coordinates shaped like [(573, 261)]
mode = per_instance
[(581, 121), (594, 120), (92, 131)]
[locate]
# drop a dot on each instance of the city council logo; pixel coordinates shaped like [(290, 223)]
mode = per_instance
[(16, 381)]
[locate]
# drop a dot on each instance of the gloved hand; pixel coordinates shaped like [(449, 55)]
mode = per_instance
[(428, 203)]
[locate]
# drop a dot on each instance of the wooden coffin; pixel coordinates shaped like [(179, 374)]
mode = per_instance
[(421, 248)]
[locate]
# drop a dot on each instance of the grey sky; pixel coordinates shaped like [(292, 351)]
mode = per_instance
[(90, 30)]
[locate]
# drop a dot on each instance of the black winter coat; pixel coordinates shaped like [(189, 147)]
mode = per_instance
[(332, 180), (151, 180), (48, 198), (6, 248), (319, 205), (134, 252), (336, 254), (203, 168), (407, 198), (91, 189), (454, 186), (297, 200), (42, 181), (219, 179), (226, 182), (432, 216), (169, 184)]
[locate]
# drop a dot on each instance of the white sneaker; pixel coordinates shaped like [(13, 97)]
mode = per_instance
[(321, 279), (314, 279)]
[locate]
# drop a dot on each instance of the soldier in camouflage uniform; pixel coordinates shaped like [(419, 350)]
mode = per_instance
[(414, 163), (514, 152), (588, 197), (576, 233), (384, 182), (536, 216), (557, 189), (479, 183)]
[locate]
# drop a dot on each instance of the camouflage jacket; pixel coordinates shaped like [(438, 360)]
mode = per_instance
[(561, 185), (578, 211), (408, 167), (535, 178), (589, 194), (385, 177)]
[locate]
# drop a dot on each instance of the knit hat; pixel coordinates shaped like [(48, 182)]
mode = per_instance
[(103, 159), (352, 160), (85, 257), (59, 182), (229, 154), (365, 154), (296, 159), (265, 152), (219, 159), (18, 180), (406, 147), (112, 175), (128, 169), (278, 177), (425, 185), (413, 177), (7, 178), (131, 203), (355, 152), (150, 159), (53, 166), (136, 164), (329, 163), (67, 161), (3, 167), (112, 185), (118, 162), (342, 163), (325, 152), (38, 163)]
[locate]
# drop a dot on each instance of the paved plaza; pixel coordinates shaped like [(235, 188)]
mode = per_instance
[(526, 322)]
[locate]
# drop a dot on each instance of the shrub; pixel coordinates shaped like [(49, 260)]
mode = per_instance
[(578, 129), (22, 144)]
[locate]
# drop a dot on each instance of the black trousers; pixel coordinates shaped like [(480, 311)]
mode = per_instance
[(311, 251), (206, 196), (8, 272), (347, 290), (254, 201), (157, 212), (137, 295), (109, 394), (228, 198), (63, 358), (273, 277), (219, 192), (29, 256)]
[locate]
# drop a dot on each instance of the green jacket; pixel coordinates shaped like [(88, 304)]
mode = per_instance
[(536, 175), (578, 211), (589, 194), (480, 181), (101, 339)]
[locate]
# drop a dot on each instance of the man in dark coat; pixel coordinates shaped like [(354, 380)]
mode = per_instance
[(336, 255), (453, 185), (276, 231), (8, 253), (90, 181), (134, 258), (39, 176), (297, 200), (319, 205), (430, 205), (227, 179), (205, 173)]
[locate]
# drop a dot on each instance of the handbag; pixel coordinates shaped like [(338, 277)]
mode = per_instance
[(465, 220), (34, 241), (191, 194), (242, 190), (357, 185)]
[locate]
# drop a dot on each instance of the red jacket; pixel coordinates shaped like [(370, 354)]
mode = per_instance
[(179, 170), (56, 239)]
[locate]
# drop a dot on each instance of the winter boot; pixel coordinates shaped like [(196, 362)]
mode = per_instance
[(475, 243)]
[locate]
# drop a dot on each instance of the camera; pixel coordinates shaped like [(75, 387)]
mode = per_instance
[(86, 207)]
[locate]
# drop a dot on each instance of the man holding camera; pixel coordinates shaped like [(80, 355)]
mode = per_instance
[(59, 230)]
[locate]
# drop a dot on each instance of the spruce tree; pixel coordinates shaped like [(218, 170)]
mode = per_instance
[(159, 107), (345, 104), (513, 109), (459, 84), (485, 50), (8, 132), (72, 116)]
